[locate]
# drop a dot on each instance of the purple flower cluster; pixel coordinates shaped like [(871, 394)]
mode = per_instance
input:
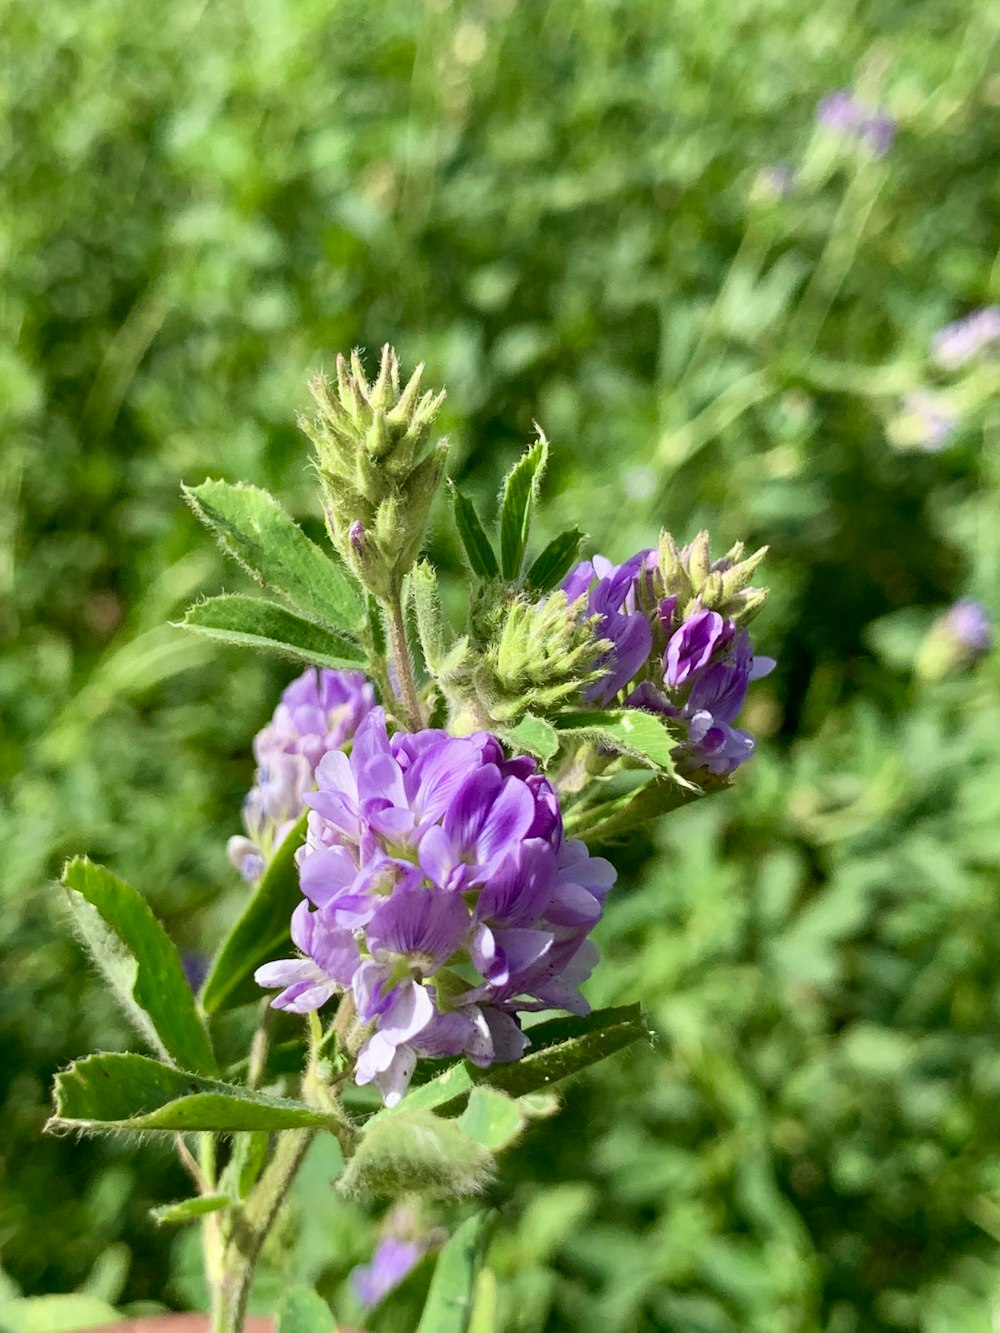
[(926, 421), (966, 620), (319, 711), (439, 889), (960, 342), (695, 668), (842, 113), (393, 1261)]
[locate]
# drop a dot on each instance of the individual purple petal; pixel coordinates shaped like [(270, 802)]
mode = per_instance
[(508, 819), (419, 924), (518, 890), (693, 645)]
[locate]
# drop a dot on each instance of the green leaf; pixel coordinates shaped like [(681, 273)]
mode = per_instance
[(176, 1214), (555, 562), (302, 1310), (416, 1151), (564, 1046), (519, 491), (133, 1092), (449, 1301), (262, 931), (642, 735), (55, 1314), (253, 623), (256, 531), (534, 735), (451, 1086), (140, 963), (491, 1118), (474, 539)]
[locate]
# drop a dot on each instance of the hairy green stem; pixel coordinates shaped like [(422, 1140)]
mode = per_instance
[(400, 648)]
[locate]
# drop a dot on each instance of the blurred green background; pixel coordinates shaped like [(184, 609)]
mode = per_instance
[(569, 209)]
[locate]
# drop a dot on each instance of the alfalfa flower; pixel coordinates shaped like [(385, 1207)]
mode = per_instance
[(964, 339), (956, 641), (845, 114), (319, 711), (444, 862)]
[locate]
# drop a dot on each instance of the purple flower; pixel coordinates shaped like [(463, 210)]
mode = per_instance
[(444, 863), (842, 113), (956, 641), (611, 595), (392, 1262), (318, 712), (961, 341)]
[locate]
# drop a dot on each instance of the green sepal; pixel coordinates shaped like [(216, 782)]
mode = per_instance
[(448, 1307), (135, 1093), (478, 550), (140, 963), (302, 1310), (417, 1152), (176, 1214), (517, 497), (256, 531), (250, 622), (555, 561), (427, 607), (261, 931)]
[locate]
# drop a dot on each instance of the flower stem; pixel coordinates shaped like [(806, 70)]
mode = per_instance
[(400, 647)]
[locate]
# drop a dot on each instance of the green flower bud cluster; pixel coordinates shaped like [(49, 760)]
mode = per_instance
[(699, 583), (540, 655), (378, 468)]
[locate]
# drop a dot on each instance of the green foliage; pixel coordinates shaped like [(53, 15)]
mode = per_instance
[(557, 206), (520, 489), (449, 1301), (303, 1311), (260, 932), (140, 963), (479, 552), (135, 1093), (250, 622)]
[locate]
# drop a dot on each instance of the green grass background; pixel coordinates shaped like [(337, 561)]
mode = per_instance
[(555, 204)]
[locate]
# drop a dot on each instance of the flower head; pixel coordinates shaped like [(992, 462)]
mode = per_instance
[(675, 622), (444, 862), (318, 712), (925, 421), (956, 641)]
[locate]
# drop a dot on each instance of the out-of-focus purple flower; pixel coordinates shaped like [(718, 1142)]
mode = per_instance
[(961, 341), (956, 641), (773, 182), (444, 863), (925, 421), (392, 1262), (872, 127), (318, 712)]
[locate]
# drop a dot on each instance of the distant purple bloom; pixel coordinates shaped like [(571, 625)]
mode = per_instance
[(968, 621), (961, 341), (842, 113), (392, 1262), (318, 712), (773, 182), (444, 863)]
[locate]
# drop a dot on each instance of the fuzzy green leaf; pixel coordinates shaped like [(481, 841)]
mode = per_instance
[(534, 735), (448, 1307), (140, 963), (519, 490), (555, 562), (449, 1087), (491, 1118), (480, 553), (565, 1046), (628, 730), (256, 531), (416, 1151), (176, 1214), (302, 1310), (612, 819), (252, 623), (262, 931), (134, 1093)]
